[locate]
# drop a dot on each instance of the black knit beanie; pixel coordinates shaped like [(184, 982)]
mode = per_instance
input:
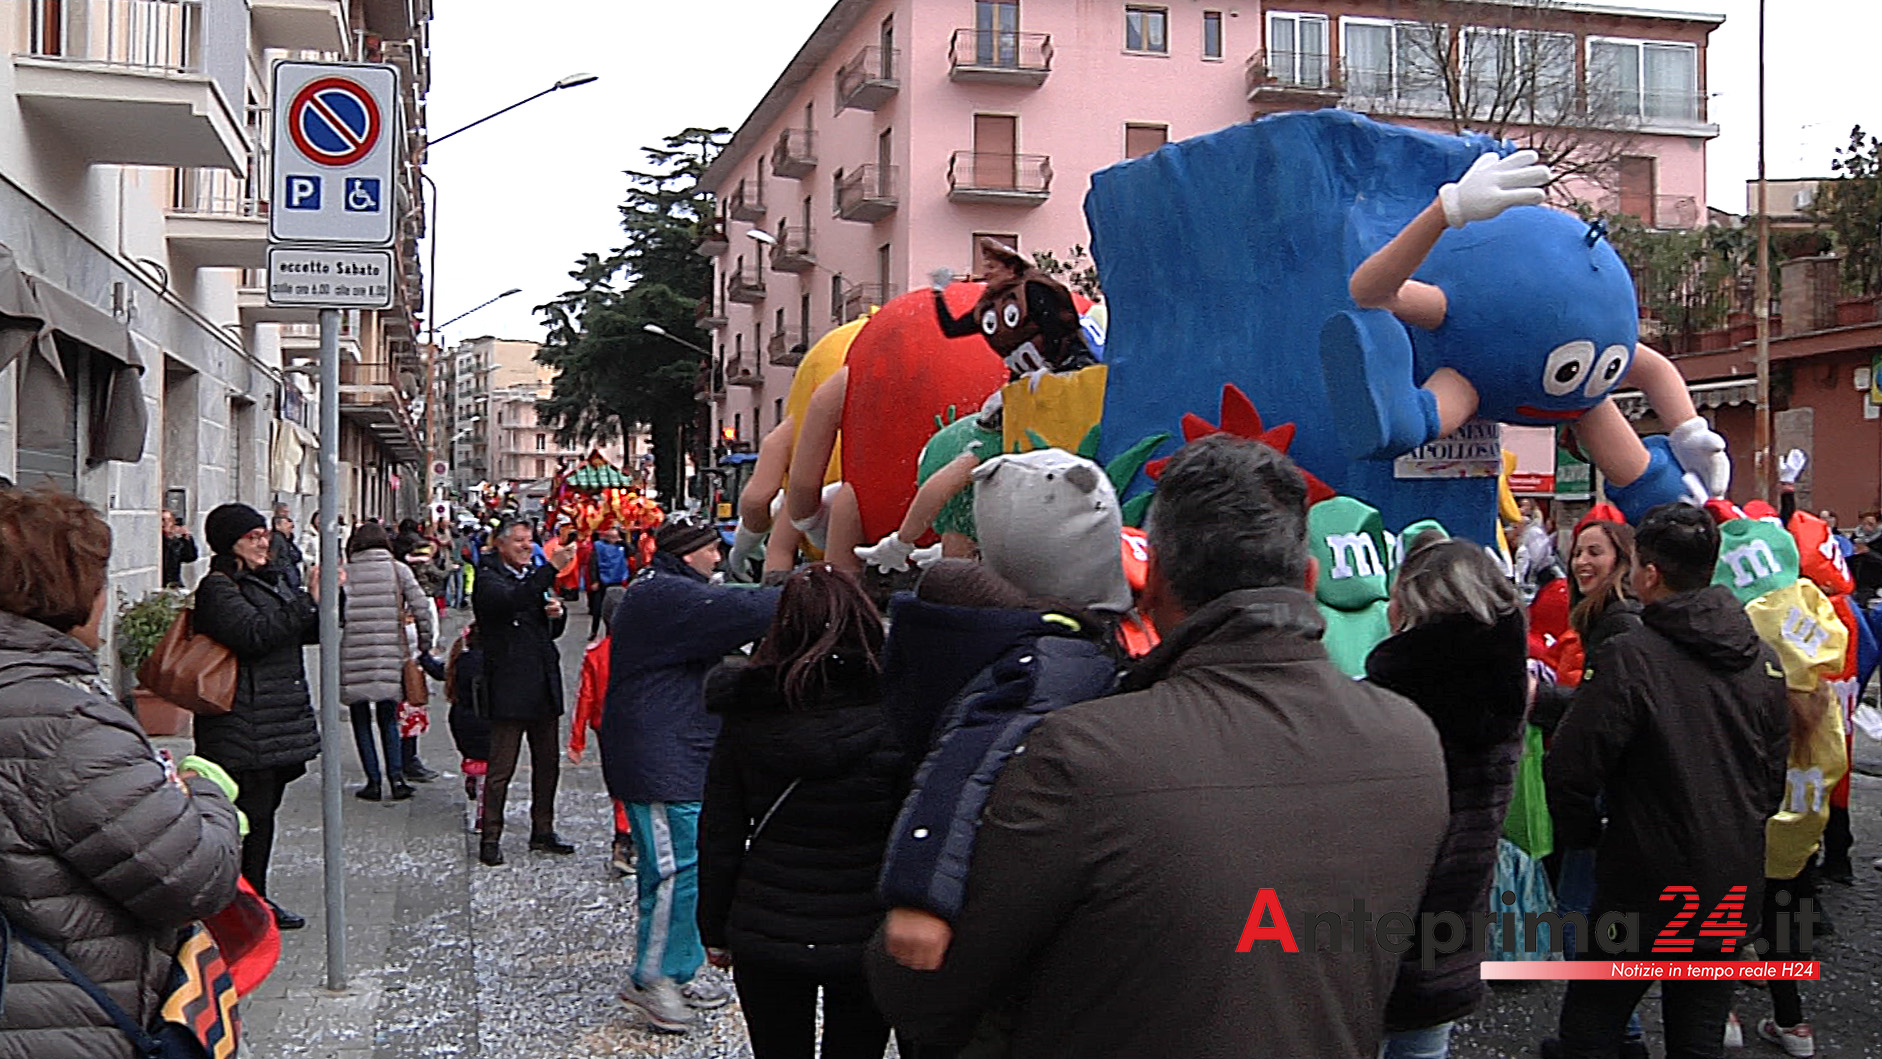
[(230, 523), (681, 539)]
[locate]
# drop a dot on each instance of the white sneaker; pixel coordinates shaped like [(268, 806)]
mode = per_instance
[(705, 994), (661, 1002), (1734, 1031), (1796, 1040)]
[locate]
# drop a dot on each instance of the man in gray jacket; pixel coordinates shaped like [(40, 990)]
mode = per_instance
[(1241, 779)]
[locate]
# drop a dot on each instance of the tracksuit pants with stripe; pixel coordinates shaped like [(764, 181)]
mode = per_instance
[(666, 840)]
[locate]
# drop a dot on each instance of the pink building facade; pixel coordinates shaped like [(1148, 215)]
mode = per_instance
[(904, 129)]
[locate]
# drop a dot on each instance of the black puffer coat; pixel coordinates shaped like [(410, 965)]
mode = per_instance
[(101, 855), (804, 896), (265, 622), (1471, 679)]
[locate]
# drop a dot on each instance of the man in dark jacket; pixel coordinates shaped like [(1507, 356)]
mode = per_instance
[(179, 549), (518, 620), (283, 553), (1127, 843), (672, 627), (1683, 730)]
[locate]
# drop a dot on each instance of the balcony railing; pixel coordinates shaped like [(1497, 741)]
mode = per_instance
[(1015, 179), (870, 79), (793, 251), (747, 203), (712, 241), (162, 36), (781, 351), (216, 193), (1290, 72), (795, 155), (745, 285), (353, 374), (739, 373), (868, 193), (709, 316), (999, 56), (1664, 211), (857, 300)]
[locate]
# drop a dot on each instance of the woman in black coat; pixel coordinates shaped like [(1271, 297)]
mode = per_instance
[(1459, 651), (800, 796), (266, 741)]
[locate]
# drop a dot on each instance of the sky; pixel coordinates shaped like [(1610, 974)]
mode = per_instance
[(522, 196)]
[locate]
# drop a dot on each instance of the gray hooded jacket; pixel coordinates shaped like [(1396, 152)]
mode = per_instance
[(102, 856)]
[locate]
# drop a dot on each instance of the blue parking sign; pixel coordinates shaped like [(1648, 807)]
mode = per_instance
[(303, 193), (362, 194)]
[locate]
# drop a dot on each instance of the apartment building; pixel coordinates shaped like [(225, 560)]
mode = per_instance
[(493, 385), (902, 130), (143, 368)]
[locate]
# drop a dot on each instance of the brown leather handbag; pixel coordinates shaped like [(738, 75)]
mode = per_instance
[(191, 669), (417, 691)]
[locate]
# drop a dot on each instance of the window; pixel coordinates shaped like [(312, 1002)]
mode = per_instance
[(738, 425), (777, 410), (1400, 63), (1147, 29), (1141, 139), (996, 34), (48, 26), (542, 468), (1212, 34), (976, 264), (1523, 75), (1643, 79), (1297, 50), (778, 326), (885, 259), (542, 443), (886, 38), (803, 319), (836, 297)]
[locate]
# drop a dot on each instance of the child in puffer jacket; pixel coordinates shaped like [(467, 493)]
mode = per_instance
[(470, 716), (982, 653)]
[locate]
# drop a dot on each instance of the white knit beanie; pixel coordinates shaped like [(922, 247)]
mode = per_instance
[(1049, 522)]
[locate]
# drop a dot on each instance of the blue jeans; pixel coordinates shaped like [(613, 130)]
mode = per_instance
[(388, 731), (1432, 1042), (666, 939), (1575, 893)]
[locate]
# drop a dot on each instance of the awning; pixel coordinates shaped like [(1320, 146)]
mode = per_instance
[(119, 417), (1705, 395), (20, 317)]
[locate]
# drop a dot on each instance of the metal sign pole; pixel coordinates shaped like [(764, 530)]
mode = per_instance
[(332, 742)]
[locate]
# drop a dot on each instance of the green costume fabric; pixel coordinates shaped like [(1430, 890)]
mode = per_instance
[(1755, 558), (1348, 538), (950, 441)]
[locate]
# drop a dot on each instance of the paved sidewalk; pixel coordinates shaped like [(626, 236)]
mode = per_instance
[(448, 958)]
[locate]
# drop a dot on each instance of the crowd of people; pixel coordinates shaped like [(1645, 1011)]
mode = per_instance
[(973, 815)]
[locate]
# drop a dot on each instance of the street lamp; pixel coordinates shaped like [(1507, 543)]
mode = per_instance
[(656, 329), (574, 80), (498, 298)]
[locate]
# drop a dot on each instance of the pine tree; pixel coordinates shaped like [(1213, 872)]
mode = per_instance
[(612, 375)]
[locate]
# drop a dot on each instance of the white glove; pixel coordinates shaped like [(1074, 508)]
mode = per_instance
[(940, 278), (889, 555), (1791, 466), (746, 546), (1700, 450), (816, 527), (926, 557), (1494, 184)]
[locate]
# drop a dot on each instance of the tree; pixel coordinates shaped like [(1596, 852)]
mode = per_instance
[(1076, 270), (1851, 207), (611, 374), (1688, 279), (1508, 71)]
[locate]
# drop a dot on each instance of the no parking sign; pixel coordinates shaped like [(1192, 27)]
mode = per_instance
[(336, 141)]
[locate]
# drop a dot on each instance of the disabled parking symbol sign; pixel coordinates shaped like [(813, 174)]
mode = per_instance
[(336, 136)]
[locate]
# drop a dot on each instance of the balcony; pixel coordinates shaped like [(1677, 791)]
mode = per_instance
[(869, 80), (999, 179), (1280, 81), (1662, 211), (302, 340), (782, 352), (745, 286), (739, 373), (712, 241), (372, 395), (299, 25), (1000, 57), (747, 203), (792, 252), (858, 300), (217, 220), (795, 156), (867, 193), (122, 82), (709, 316)]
